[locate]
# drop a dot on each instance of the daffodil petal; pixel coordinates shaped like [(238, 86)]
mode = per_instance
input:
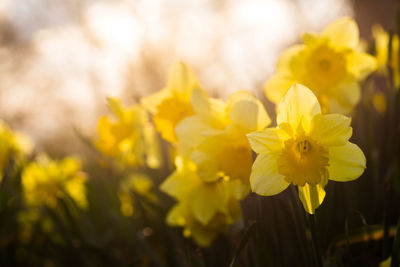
[(181, 79), (270, 139), (361, 64), (207, 167), (210, 110), (180, 184), (298, 106), (276, 87), (287, 60), (347, 95), (249, 114), (152, 101), (208, 200), (311, 196), (331, 129), (189, 131), (310, 38), (177, 215), (265, 179), (343, 32), (346, 163)]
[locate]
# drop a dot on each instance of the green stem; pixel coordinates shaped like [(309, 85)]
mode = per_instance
[(318, 258)]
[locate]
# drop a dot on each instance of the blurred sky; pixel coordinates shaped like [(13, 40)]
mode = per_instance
[(60, 59)]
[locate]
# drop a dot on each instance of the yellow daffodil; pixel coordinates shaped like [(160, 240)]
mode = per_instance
[(217, 135), (170, 105), (130, 139), (204, 209), (13, 145), (137, 184), (306, 149), (379, 102), (205, 199), (181, 215), (382, 40), (46, 180), (328, 63)]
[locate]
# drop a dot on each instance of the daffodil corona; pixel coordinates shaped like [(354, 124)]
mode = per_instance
[(328, 63), (306, 149)]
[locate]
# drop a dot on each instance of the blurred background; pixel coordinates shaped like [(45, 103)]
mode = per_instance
[(60, 59)]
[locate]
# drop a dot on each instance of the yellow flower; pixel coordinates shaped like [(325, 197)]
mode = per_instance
[(170, 105), (205, 199), (306, 149), (382, 40), (379, 102), (216, 135), (328, 63), (46, 180), (139, 184), (203, 234), (131, 138), (13, 145)]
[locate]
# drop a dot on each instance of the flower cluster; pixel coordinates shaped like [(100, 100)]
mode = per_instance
[(213, 156), (212, 141), (45, 183)]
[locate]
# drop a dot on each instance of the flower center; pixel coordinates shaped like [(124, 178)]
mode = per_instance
[(303, 161), (326, 67), (324, 64), (234, 161)]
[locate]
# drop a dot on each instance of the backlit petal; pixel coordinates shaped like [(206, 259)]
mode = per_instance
[(210, 110), (346, 163), (277, 86), (331, 129), (265, 179), (181, 79), (189, 131), (247, 112), (361, 64), (152, 101), (346, 95), (311, 196), (270, 139), (287, 60), (298, 106), (343, 32)]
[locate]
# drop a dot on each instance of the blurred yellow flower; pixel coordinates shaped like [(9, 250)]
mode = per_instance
[(45, 181), (135, 184), (328, 63), (203, 234), (171, 104), (13, 145), (306, 149), (382, 40), (130, 139), (379, 102)]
